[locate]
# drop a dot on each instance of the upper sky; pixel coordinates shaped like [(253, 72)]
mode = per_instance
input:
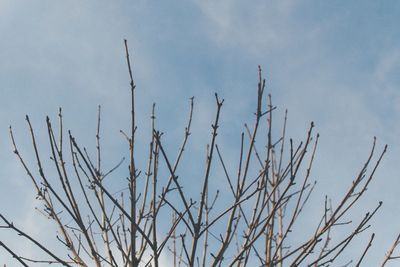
[(336, 63)]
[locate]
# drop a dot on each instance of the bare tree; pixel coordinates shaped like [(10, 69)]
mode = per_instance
[(251, 223)]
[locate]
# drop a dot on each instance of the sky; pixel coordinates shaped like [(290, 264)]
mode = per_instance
[(336, 63)]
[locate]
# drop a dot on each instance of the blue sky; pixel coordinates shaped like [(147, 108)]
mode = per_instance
[(336, 63)]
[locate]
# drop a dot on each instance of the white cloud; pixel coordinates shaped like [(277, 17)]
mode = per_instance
[(253, 27), (387, 65)]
